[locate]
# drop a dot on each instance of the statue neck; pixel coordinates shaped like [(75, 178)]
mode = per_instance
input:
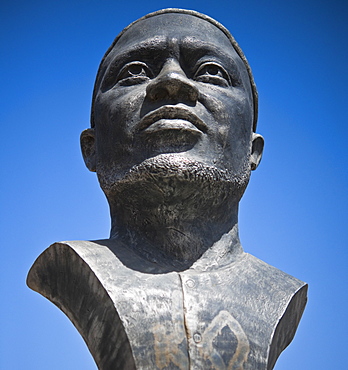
[(178, 230)]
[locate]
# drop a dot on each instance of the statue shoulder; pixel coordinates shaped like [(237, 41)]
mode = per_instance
[(289, 293), (66, 274)]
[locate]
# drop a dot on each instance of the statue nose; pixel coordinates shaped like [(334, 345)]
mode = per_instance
[(172, 84)]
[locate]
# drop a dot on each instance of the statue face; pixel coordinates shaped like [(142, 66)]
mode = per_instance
[(173, 83)]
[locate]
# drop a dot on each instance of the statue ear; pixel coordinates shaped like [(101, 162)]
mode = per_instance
[(87, 140), (256, 150)]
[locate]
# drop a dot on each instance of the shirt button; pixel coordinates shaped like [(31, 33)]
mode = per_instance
[(197, 337), (190, 283)]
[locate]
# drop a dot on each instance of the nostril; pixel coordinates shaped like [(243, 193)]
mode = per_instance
[(158, 89), (158, 94), (191, 92)]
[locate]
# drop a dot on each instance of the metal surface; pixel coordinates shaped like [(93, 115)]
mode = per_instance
[(173, 143)]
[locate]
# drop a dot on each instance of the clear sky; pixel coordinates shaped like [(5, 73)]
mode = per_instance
[(293, 215)]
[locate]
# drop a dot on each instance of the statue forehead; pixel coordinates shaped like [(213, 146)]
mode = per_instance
[(172, 26)]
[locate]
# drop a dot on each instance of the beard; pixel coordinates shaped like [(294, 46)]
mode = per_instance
[(172, 201), (170, 168)]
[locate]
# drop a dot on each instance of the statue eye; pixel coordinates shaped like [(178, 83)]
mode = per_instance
[(134, 73), (212, 73)]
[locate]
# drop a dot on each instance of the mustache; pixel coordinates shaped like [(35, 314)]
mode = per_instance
[(171, 112)]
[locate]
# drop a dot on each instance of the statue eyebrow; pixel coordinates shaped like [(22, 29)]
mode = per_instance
[(201, 51), (191, 48), (161, 43), (190, 42), (142, 49)]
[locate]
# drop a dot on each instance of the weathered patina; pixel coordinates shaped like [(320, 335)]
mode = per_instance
[(173, 143)]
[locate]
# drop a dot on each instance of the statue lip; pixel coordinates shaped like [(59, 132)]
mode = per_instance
[(172, 113)]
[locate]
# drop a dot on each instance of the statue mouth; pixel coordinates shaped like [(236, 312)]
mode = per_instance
[(171, 118)]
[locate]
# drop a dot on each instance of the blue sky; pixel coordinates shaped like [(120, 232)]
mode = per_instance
[(293, 215)]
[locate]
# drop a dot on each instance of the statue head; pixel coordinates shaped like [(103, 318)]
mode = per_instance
[(174, 103)]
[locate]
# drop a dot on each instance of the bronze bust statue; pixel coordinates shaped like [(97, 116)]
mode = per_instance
[(173, 143)]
